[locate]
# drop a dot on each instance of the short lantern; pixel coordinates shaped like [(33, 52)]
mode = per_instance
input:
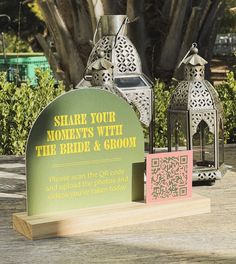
[(102, 76), (195, 121)]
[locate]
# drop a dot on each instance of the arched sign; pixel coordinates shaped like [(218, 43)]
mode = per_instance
[(84, 150)]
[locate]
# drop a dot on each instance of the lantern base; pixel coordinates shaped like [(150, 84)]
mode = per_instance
[(209, 175)]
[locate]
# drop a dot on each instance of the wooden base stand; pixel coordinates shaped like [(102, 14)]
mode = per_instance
[(91, 219)]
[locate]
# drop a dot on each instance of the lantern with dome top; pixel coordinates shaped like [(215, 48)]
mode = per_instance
[(195, 120), (128, 78)]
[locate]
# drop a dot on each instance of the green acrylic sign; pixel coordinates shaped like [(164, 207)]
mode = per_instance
[(86, 149)]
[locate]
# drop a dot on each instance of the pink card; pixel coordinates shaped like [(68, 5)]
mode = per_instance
[(169, 176)]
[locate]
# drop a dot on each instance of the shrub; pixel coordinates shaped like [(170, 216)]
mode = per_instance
[(14, 44), (19, 107), (162, 98), (227, 94)]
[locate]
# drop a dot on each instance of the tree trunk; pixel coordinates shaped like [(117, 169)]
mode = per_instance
[(173, 40), (208, 32), (71, 33), (162, 35), (137, 31), (58, 73), (112, 7), (190, 36), (169, 9)]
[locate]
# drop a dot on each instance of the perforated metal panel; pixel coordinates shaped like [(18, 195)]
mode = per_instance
[(121, 52), (197, 116), (142, 101)]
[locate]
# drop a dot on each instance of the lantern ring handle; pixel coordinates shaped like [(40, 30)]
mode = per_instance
[(95, 33), (84, 73), (194, 46)]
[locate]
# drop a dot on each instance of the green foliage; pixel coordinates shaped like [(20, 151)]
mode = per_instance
[(162, 98), (14, 45), (228, 22), (36, 9), (227, 94), (19, 108)]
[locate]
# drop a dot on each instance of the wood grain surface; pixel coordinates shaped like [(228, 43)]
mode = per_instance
[(103, 217), (204, 238)]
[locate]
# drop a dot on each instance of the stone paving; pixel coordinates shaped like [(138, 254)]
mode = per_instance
[(12, 177), (205, 238)]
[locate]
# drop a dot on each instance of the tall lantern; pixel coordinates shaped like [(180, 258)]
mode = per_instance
[(195, 121), (128, 78)]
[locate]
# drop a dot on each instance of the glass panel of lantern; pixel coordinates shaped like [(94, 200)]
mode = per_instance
[(221, 143), (178, 130), (203, 147)]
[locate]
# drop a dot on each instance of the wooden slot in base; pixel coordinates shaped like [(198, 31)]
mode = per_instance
[(99, 218)]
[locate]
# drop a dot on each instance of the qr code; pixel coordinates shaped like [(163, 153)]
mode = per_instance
[(169, 177)]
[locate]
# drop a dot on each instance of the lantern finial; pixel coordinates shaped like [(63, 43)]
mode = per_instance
[(101, 63), (194, 59)]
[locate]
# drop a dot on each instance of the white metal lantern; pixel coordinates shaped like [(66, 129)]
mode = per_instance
[(128, 78), (127, 70), (195, 121)]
